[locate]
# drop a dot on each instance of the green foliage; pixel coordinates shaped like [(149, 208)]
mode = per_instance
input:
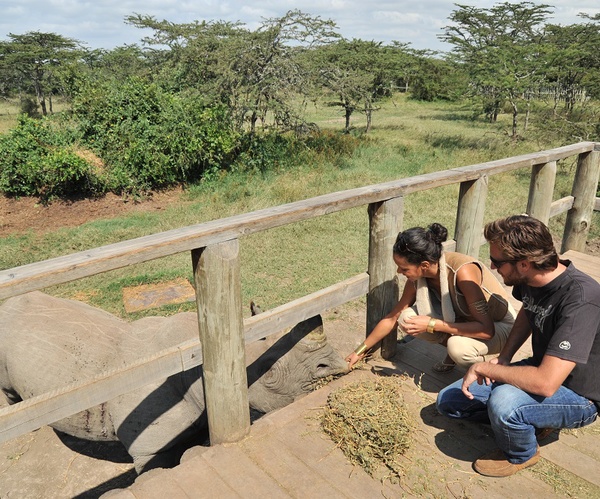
[(257, 73), (572, 60), (273, 151), (150, 138), (282, 264), (39, 160), (501, 49), (29, 107), (354, 73), (36, 63), (438, 80), (212, 97)]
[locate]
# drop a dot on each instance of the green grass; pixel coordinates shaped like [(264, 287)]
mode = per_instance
[(9, 109), (408, 138)]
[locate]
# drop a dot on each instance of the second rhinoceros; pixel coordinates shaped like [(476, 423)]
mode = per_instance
[(47, 343)]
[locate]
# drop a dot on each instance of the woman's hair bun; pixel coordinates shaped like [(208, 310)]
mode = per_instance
[(438, 232)]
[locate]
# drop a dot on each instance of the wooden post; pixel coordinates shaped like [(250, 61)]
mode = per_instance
[(579, 217), (385, 220), (541, 189), (469, 217), (218, 298)]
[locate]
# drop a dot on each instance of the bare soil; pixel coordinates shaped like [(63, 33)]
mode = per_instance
[(19, 215)]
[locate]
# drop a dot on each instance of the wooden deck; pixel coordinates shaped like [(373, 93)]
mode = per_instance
[(287, 454)]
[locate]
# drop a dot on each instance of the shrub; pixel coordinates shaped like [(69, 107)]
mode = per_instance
[(38, 160), (150, 138), (272, 150)]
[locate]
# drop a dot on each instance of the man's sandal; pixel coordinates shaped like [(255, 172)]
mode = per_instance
[(443, 367)]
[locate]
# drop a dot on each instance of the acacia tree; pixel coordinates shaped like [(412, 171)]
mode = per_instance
[(573, 60), (501, 49), (34, 61), (254, 72), (354, 71)]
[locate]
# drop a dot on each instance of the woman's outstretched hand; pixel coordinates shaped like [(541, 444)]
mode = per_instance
[(353, 359)]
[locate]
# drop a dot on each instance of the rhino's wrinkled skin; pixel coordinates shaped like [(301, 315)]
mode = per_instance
[(47, 343)]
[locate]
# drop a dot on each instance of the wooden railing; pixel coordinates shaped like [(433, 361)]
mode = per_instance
[(214, 248)]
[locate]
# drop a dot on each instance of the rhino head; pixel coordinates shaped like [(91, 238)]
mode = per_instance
[(292, 366)]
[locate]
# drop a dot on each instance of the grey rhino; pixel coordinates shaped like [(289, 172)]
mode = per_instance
[(47, 343)]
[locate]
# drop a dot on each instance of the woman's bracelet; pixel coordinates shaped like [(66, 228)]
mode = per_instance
[(431, 326), (361, 349)]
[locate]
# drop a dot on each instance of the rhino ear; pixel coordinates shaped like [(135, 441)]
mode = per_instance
[(309, 330)]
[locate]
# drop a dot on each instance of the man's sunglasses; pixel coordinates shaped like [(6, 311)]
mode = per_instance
[(499, 263)]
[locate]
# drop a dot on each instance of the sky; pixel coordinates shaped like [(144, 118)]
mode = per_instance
[(100, 24)]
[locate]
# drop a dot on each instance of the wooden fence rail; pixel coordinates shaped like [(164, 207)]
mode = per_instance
[(214, 253)]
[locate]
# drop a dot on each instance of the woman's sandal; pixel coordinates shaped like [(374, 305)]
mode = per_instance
[(443, 367)]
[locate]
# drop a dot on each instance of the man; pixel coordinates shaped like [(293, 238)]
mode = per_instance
[(558, 386)]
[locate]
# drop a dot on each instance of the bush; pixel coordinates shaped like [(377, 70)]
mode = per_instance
[(147, 139), (272, 150), (150, 139), (39, 160)]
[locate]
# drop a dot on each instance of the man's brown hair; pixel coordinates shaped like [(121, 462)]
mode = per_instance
[(521, 237)]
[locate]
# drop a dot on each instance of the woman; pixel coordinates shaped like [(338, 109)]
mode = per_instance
[(449, 298)]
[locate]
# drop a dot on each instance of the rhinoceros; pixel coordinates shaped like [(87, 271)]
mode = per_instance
[(48, 342)]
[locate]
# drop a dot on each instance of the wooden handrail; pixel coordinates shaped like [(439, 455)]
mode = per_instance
[(386, 208), (68, 268)]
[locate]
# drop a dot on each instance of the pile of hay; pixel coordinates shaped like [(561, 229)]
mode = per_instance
[(371, 425)]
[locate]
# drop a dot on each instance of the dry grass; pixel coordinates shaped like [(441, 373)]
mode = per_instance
[(370, 424), (563, 482), (9, 111)]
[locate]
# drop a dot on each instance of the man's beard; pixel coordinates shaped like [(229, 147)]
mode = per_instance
[(514, 280)]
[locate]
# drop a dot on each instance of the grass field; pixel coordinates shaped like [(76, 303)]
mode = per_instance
[(9, 109), (408, 138)]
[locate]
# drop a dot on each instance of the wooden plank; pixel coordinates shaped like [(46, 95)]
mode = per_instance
[(469, 216), (385, 221), (44, 409), (579, 217), (67, 268), (584, 262), (572, 460), (217, 275), (289, 314), (561, 205), (541, 188), (293, 475)]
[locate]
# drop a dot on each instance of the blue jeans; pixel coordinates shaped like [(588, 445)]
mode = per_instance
[(515, 414)]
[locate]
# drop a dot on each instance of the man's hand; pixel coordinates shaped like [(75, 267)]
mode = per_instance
[(474, 374)]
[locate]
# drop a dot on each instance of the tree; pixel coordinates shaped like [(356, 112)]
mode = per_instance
[(573, 58), (502, 50), (433, 78), (33, 61), (354, 71), (257, 73)]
